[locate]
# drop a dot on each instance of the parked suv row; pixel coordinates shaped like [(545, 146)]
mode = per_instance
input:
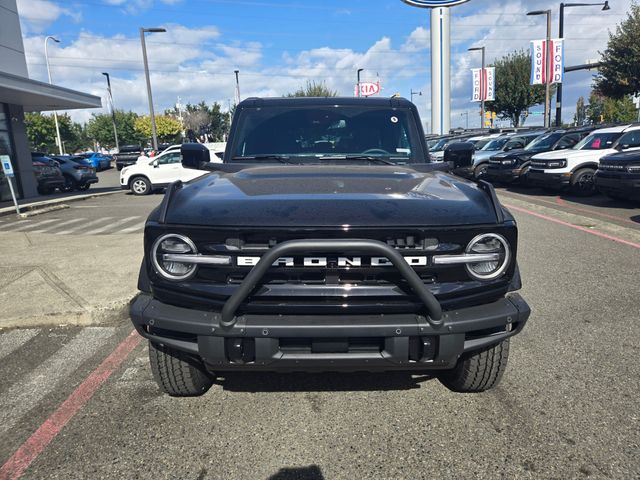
[(63, 172)]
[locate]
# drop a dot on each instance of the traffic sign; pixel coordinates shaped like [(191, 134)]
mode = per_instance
[(7, 168)]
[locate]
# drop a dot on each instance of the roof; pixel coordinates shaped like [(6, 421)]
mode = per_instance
[(35, 96), (293, 101), (617, 129)]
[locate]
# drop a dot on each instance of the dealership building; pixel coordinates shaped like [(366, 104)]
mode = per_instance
[(19, 94)]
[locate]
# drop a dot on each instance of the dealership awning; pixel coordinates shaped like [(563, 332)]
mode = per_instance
[(37, 96)]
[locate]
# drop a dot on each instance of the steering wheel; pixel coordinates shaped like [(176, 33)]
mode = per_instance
[(375, 150)]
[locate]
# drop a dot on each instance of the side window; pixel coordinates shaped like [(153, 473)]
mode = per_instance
[(630, 139), (568, 141), (170, 158)]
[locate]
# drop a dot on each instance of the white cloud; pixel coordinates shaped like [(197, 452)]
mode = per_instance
[(37, 15)]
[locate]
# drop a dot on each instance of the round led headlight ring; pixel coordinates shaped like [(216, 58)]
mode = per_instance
[(173, 244), (488, 243)]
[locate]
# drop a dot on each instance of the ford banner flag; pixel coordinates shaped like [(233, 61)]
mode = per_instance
[(483, 84), (539, 60)]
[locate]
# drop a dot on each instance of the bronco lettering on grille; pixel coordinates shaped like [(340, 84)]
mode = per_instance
[(331, 262)]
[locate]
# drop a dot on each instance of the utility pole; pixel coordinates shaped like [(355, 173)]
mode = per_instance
[(547, 67), (113, 111), (55, 114), (466, 115), (154, 133), (415, 93)]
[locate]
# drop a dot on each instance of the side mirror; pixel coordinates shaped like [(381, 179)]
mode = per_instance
[(195, 156), (625, 147), (155, 164), (459, 155)]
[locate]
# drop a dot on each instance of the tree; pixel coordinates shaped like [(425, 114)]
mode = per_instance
[(41, 132), (208, 123), (100, 129), (607, 109), (314, 89), (168, 128), (514, 96), (619, 74), (581, 112)]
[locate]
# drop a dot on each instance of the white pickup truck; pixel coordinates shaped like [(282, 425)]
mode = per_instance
[(574, 168)]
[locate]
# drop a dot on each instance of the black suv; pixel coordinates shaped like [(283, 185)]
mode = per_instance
[(513, 166), (618, 175), (326, 241), (127, 155)]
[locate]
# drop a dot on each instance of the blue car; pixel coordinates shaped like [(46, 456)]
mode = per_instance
[(97, 160)]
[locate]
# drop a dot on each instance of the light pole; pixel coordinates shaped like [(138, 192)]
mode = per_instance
[(154, 133), (113, 110), (55, 114), (415, 93), (466, 115), (605, 7), (547, 68), (358, 81), (237, 86), (482, 49)]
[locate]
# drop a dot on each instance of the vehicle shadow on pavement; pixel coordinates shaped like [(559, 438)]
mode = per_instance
[(311, 472), (321, 382)]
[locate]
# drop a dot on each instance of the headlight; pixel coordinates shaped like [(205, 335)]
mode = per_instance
[(509, 162), (173, 244), (633, 169), (556, 164), (489, 243)]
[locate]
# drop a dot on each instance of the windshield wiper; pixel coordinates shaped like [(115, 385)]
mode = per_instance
[(369, 158), (279, 158)]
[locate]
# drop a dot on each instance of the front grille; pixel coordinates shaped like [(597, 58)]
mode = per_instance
[(612, 167), (548, 164)]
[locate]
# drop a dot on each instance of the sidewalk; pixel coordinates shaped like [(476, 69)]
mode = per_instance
[(63, 280), (48, 201)]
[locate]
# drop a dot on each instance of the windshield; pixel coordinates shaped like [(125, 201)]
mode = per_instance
[(480, 144), (597, 141), (544, 141), (315, 133), (496, 144)]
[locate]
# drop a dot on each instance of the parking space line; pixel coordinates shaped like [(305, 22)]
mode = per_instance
[(84, 225), (27, 224), (576, 227), (112, 225), (52, 227), (23, 396), (11, 341), (135, 228), (38, 441)]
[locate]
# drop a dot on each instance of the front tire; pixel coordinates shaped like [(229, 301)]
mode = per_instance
[(140, 186), (479, 370), (177, 373), (582, 182), (480, 171), (69, 184)]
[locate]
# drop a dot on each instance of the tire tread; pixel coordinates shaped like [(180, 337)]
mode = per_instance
[(177, 373)]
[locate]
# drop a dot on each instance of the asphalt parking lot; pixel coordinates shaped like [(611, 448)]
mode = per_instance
[(79, 402)]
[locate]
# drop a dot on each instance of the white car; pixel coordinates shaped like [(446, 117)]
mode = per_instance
[(156, 172), (575, 168)]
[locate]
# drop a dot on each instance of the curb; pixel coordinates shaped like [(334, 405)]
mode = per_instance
[(114, 314), (44, 204)]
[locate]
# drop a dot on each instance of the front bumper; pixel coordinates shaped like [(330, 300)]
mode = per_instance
[(540, 178), (617, 184), (328, 342), (503, 174)]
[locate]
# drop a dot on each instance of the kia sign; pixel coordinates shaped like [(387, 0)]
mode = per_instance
[(368, 89), (434, 3)]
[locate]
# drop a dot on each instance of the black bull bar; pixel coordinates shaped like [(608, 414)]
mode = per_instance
[(251, 281)]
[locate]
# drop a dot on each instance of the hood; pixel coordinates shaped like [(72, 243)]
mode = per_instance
[(330, 196), (515, 153), (481, 155), (574, 154)]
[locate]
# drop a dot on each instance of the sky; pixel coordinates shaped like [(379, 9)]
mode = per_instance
[(279, 45)]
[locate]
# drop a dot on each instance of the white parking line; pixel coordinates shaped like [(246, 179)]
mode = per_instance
[(84, 225), (11, 341), (135, 228), (25, 225), (112, 225), (25, 395), (52, 227)]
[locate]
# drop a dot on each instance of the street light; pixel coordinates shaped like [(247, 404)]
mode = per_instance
[(415, 93), (113, 111), (154, 133), (55, 114), (482, 49), (237, 86), (547, 68), (358, 84), (605, 7)]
